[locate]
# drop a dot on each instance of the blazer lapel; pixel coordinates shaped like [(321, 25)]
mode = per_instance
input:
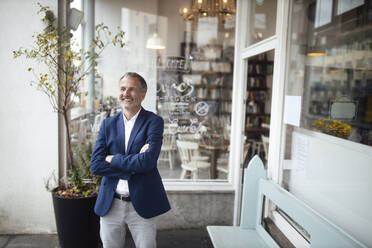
[(121, 134), (139, 121)]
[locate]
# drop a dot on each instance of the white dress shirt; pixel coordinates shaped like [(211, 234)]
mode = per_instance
[(122, 187)]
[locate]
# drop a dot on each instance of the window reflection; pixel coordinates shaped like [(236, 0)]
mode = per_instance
[(194, 91), (188, 66), (334, 66), (329, 67), (261, 21)]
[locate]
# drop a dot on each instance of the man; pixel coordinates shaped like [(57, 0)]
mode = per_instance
[(126, 154)]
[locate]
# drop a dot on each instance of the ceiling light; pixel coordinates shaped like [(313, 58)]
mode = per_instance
[(155, 42), (315, 54), (204, 8)]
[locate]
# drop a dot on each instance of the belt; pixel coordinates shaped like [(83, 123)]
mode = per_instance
[(122, 197)]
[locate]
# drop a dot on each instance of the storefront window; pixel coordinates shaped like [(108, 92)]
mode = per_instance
[(185, 52), (328, 111), (261, 21), (336, 72)]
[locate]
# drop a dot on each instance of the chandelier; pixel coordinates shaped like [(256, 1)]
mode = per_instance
[(204, 8)]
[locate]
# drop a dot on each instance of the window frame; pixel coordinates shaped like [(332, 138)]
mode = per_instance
[(277, 42)]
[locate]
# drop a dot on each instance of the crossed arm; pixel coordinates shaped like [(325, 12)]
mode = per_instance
[(143, 149), (124, 165)]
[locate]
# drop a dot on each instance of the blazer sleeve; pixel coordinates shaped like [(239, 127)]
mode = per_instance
[(98, 163), (146, 161)]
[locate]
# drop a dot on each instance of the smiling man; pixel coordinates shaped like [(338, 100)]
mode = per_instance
[(126, 155)]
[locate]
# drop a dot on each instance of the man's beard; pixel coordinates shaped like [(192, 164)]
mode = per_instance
[(131, 104)]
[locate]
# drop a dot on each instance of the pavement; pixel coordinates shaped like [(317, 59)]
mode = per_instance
[(180, 238)]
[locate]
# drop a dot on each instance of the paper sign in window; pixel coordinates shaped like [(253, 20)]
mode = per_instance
[(292, 110), (343, 110)]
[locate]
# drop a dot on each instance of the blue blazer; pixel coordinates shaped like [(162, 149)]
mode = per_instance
[(145, 186)]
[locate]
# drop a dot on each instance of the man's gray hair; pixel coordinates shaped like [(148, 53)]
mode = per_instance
[(138, 77)]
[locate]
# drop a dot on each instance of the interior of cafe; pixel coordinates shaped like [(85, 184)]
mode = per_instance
[(188, 63), (187, 56)]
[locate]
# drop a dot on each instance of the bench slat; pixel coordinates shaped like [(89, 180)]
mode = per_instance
[(251, 205), (234, 237), (323, 233)]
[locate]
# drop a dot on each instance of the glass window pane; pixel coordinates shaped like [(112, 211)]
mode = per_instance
[(261, 20), (327, 157), (258, 105), (323, 12), (346, 5), (186, 57)]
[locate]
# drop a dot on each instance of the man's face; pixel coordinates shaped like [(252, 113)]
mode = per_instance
[(131, 94)]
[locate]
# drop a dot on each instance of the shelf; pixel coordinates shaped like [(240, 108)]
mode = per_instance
[(208, 72), (209, 86), (257, 114), (213, 99), (257, 89), (258, 75), (361, 125), (260, 62), (257, 130), (211, 60)]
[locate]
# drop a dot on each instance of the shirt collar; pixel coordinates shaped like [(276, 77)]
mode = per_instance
[(133, 118)]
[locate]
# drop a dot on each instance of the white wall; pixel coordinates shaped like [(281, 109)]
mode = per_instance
[(334, 176), (116, 61), (28, 143)]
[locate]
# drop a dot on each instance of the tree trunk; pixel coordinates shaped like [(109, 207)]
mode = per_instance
[(69, 148)]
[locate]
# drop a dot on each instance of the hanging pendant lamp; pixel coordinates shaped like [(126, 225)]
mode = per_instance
[(155, 42)]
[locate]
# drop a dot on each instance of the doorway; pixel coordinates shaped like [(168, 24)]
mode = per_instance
[(259, 84)]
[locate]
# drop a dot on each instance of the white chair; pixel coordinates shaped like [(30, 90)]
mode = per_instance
[(75, 131), (171, 128), (256, 146), (97, 121), (81, 127), (189, 136), (223, 163), (83, 130), (186, 150), (168, 148), (97, 124), (193, 137)]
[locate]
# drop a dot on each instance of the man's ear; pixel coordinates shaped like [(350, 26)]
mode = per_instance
[(143, 96)]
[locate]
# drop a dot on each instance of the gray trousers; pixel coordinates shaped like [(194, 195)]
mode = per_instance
[(113, 227)]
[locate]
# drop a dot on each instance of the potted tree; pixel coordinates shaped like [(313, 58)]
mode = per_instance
[(65, 68)]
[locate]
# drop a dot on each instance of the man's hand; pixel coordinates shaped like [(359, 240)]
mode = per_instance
[(109, 158), (144, 148)]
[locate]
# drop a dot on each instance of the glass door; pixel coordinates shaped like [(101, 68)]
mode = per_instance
[(259, 84)]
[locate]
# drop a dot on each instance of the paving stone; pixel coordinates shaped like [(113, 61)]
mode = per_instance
[(184, 238), (3, 240), (33, 241)]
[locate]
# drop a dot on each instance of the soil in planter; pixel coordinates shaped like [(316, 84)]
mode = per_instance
[(84, 190)]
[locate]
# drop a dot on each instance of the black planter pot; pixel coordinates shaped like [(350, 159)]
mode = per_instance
[(77, 224)]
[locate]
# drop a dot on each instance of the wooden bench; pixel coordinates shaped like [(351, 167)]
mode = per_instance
[(251, 233)]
